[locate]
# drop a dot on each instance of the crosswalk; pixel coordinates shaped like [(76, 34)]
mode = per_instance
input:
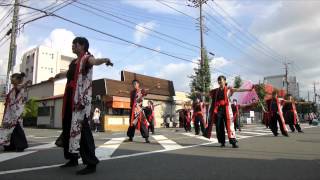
[(164, 142)]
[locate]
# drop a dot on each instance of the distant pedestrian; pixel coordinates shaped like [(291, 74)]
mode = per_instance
[(96, 119)]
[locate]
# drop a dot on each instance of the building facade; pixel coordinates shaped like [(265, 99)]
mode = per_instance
[(43, 62), (115, 99), (278, 81)]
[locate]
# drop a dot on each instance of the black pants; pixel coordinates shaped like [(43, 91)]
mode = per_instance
[(187, 126), (143, 130), (18, 140), (198, 120), (151, 125), (221, 125), (290, 118), (237, 124), (275, 118), (87, 146)]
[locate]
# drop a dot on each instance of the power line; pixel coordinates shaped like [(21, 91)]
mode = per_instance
[(137, 25), (106, 34), (248, 34)]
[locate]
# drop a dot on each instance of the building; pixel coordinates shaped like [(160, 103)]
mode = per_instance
[(43, 62), (114, 104), (113, 99), (49, 95), (278, 81)]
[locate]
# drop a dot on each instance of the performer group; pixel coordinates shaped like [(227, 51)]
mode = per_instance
[(77, 140)]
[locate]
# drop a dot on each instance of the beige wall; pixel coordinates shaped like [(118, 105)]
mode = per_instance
[(1, 111), (58, 113), (64, 62), (59, 86), (42, 90), (54, 119)]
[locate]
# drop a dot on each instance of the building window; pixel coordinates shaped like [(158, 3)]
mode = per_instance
[(120, 112), (44, 111), (31, 70), (27, 71)]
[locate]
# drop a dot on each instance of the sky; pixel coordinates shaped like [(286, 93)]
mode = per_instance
[(250, 38)]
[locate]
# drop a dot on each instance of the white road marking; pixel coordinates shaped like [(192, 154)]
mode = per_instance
[(11, 155), (166, 143), (107, 149), (44, 146), (213, 140), (123, 156)]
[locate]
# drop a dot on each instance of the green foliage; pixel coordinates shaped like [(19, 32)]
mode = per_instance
[(261, 92), (237, 82), (30, 109), (201, 80)]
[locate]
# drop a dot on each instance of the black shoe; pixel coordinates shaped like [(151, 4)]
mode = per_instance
[(222, 145), (19, 150), (129, 140), (286, 134), (147, 140), (8, 149), (300, 131), (71, 163), (235, 145), (87, 170)]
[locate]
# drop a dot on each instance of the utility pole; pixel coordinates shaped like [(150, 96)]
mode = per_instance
[(198, 4), (308, 96), (13, 45), (286, 76), (315, 93)]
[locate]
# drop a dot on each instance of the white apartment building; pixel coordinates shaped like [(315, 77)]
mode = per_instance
[(42, 63)]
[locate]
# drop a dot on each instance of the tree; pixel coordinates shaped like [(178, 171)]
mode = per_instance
[(237, 82), (261, 92), (30, 109), (201, 79)]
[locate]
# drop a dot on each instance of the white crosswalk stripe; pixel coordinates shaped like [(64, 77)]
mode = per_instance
[(107, 149), (214, 140), (166, 143), (44, 146)]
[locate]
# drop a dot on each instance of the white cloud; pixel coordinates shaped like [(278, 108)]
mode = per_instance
[(143, 30), (152, 6), (219, 62), (179, 72), (292, 30), (61, 40)]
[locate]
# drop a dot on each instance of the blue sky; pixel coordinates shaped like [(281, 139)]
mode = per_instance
[(288, 27)]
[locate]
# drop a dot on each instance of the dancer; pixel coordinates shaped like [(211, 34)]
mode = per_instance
[(12, 136), (291, 115), (198, 116), (236, 114), (221, 112), (137, 117), (77, 137), (276, 115), (149, 112), (187, 118)]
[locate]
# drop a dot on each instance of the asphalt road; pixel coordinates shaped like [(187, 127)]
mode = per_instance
[(173, 154)]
